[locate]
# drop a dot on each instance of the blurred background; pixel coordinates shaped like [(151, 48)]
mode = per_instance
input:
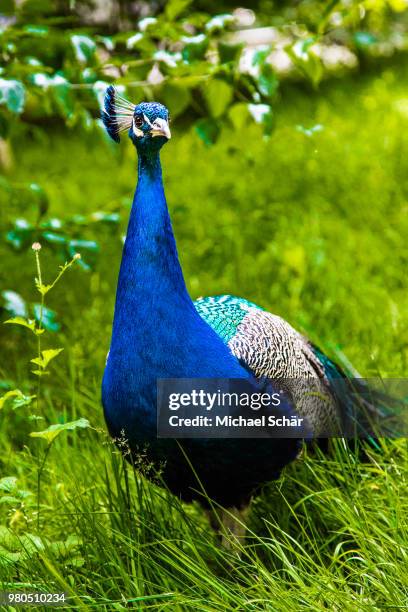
[(287, 183), (286, 177)]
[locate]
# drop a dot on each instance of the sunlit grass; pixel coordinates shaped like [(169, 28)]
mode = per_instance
[(312, 227)]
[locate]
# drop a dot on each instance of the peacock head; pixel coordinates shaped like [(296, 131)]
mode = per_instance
[(150, 126), (147, 123)]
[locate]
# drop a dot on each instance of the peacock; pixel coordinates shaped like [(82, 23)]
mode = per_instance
[(160, 332)]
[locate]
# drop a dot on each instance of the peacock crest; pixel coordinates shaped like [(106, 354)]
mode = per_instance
[(117, 114)]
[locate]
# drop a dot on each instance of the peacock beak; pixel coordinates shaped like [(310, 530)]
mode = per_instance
[(161, 128)]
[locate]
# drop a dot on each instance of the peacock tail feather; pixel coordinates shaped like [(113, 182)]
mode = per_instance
[(268, 346), (271, 348)]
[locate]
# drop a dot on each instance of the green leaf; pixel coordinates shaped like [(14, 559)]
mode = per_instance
[(310, 131), (80, 245), (174, 8), (53, 238), (8, 396), (208, 130), (37, 361), (267, 81), (84, 47), (53, 223), (53, 431), (40, 197), (218, 95), (219, 23), (305, 60), (21, 321), (4, 126), (46, 356), (104, 217), (364, 40), (50, 354), (14, 303), (12, 94), (18, 399), (8, 484), (5, 384), (195, 47), (9, 499), (23, 400), (229, 52), (239, 115), (261, 55), (62, 94), (331, 6), (133, 40), (47, 316), (7, 7), (99, 89), (176, 98), (263, 114), (43, 289), (22, 233)]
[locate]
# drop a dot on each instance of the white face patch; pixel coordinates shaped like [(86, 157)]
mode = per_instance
[(160, 127), (147, 120), (136, 130)]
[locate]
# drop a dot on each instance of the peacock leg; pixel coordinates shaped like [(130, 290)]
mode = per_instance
[(230, 526)]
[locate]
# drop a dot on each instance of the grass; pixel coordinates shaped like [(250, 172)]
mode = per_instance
[(313, 228)]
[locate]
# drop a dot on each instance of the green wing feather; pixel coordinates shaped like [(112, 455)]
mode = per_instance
[(224, 313)]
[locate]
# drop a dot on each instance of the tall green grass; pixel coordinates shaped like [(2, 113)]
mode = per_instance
[(310, 224)]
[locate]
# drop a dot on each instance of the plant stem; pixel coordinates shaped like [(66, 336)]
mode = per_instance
[(37, 260), (40, 465), (39, 474)]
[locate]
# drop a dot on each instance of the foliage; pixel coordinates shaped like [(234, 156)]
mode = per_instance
[(210, 69), (198, 64), (19, 399), (311, 224), (53, 431)]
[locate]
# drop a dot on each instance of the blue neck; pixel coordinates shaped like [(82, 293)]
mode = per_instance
[(150, 269), (157, 332)]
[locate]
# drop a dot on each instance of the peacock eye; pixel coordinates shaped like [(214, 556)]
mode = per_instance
[(138, 122)]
